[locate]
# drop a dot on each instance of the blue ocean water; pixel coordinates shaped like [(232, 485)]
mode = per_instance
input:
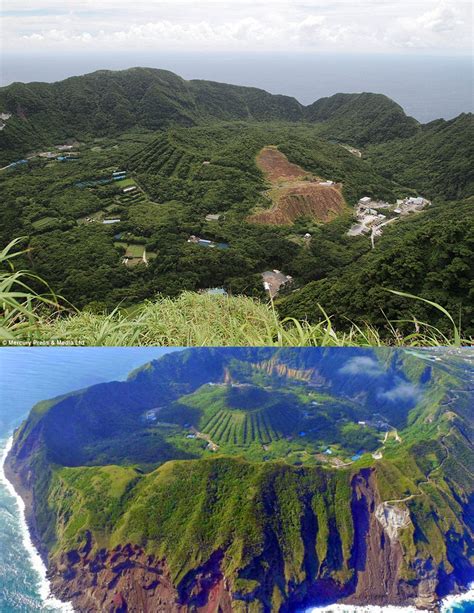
[(28, 375)]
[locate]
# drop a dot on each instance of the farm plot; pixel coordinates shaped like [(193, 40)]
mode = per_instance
[(45, 223)]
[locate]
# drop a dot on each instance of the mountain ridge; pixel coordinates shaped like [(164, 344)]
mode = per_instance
[(113, 101)]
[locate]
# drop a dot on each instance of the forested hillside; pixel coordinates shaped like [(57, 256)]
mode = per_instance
[(144, 185), (360, 119), (105, 103), (437, 160), (430, 256)]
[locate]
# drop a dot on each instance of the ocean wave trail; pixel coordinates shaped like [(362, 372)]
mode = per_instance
[(49, 602)]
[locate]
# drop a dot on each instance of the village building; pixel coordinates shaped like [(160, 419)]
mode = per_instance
[(132, 188), (215, 291), (199, 241), (150, 416), (213, 217), (273, 280)]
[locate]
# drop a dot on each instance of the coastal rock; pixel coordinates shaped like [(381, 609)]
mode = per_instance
[(393, 518)]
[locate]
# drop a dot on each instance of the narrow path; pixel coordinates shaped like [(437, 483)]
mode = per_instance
[(428, 477), (375, 228)]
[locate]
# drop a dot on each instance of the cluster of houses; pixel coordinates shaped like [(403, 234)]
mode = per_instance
[(411, 205), (66, 154), (119, 175), (370, 217), (378, 422)]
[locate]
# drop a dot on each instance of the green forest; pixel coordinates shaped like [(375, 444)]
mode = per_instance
[(188, 152)]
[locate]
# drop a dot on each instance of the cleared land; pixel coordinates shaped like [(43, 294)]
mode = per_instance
[(295, 192)]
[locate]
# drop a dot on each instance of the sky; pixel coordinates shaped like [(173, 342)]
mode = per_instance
[(359, 26)]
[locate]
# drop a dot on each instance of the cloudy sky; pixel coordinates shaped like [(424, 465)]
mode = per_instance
[(379, 26)]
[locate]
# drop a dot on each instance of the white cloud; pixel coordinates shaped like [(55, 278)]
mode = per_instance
[(362, 365), (403, 392), (340, 25), (443, 18), (447, 24)]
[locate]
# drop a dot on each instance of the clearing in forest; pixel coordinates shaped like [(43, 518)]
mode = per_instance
[(295, 192)]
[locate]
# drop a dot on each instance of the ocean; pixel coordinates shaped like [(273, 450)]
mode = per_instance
[(28, 375), (427, 86)]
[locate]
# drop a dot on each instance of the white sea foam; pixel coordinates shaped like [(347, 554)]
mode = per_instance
[(447, 605), (345, 608), (50, 603), (451, 602)]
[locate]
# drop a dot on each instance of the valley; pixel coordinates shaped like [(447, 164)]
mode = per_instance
[(120, 211)]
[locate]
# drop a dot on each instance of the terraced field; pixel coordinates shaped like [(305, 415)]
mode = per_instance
[(241, 414), (240, 428)]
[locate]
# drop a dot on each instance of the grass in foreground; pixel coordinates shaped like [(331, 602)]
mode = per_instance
[(202, 320), (21, 307), (192, 319)]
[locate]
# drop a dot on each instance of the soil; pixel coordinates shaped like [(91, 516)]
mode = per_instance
[(276, 166), (295, 192)]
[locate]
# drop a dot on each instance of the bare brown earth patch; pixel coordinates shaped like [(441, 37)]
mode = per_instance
[(295, 192), (276, 166)]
